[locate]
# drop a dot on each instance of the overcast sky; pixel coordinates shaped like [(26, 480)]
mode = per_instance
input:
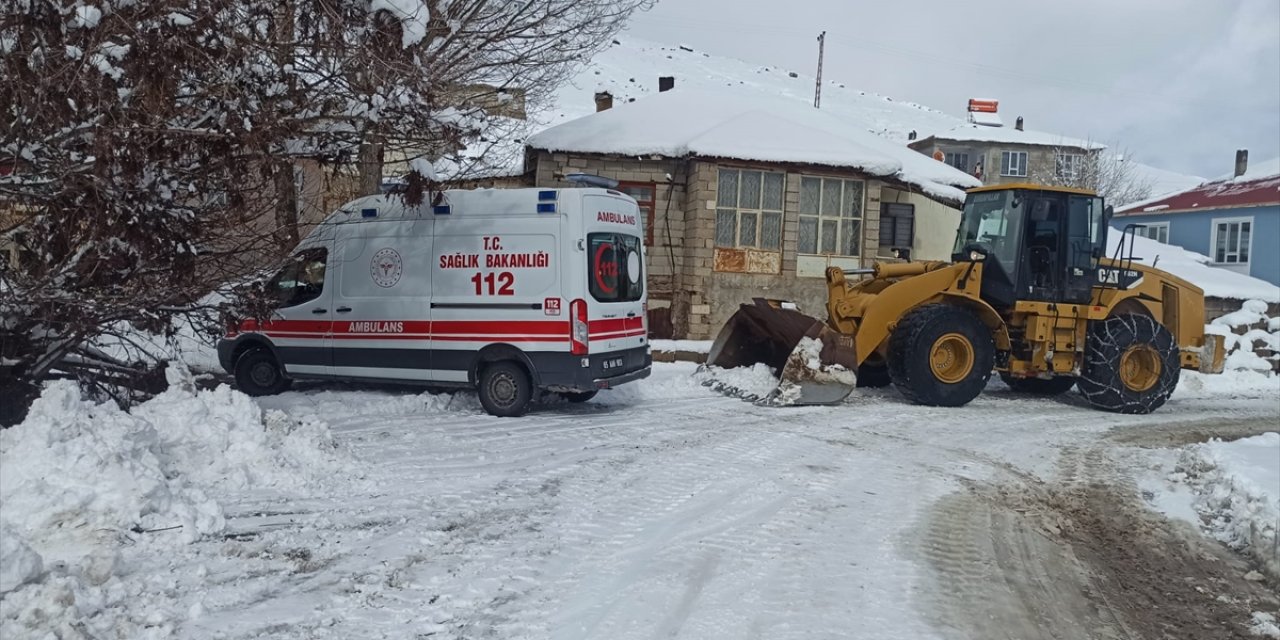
[(1182, 84)]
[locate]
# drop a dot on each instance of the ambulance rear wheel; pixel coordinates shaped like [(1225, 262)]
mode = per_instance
[(505, 389), (259, 374)]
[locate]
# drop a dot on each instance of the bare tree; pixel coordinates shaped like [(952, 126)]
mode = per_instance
[(152, 143), (1110, 173)]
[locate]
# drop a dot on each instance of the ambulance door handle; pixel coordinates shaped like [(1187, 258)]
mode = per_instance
[(318, 310), (631, 314), (343, 309)]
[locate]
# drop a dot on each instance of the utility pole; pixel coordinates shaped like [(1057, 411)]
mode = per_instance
[(817, 89)]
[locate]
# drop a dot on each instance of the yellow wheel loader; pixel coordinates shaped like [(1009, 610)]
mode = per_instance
[(1029, 294)]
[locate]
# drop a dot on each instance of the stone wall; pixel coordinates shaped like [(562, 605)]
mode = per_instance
[(695, 285)]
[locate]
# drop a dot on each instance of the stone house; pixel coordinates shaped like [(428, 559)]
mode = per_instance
[(753, 197), (996, 154)]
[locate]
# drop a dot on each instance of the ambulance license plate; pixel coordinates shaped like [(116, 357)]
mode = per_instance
[(612, 363)]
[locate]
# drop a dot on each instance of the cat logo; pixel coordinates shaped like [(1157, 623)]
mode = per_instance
[(1120, 278)]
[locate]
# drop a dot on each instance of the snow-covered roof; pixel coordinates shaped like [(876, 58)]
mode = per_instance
[(629, 70), (750, 126), (1258, 171), (1195, 268), (1258, 186), (1011, 135)]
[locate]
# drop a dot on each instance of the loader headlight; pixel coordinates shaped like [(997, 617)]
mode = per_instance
[(977, 256)]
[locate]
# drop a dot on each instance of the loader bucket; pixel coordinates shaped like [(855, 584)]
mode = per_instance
[(813, 363)]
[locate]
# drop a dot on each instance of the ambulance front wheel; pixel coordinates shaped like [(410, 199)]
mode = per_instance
[(258, 374), (505, 389)]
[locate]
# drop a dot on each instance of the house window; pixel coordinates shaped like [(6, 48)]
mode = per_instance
[(958, 160), (1067, 166), (830, 216), (897, 226), (749, 209), (1158, 231), (1013, 163), (643, 193), (1231, 239)]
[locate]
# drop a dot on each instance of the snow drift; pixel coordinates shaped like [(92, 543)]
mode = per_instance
[(1237, 487), (86, 486)]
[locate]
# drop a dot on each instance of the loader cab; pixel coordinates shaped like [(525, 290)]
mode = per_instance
[(1036, 243)]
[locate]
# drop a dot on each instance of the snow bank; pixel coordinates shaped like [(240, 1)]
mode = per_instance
[(1251, 339), (1194, 268), (82, 485), (692, 346), (1237, 489), (1231, 383)]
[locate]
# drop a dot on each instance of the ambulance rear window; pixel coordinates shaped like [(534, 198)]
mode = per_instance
[(617, 270)]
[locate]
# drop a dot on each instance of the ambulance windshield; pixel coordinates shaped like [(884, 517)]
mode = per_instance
[(300, 280), (617, 271)]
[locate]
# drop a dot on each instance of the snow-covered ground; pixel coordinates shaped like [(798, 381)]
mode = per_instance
[(1229, 489), (660, 509)]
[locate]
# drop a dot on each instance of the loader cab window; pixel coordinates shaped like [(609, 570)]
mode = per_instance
[(617, 268), (991, 220), (300, 280)]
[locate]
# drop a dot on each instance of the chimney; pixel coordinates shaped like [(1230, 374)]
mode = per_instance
[(1018, 124), (1242, 161), (666, 83), (604, 100)]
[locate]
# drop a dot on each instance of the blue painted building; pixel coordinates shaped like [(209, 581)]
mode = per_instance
[(1235, 221)]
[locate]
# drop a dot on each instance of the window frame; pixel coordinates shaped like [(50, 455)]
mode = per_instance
[(948, 158), (821, 216), (1219, 223), (296, 265), (886, 215), (1007, 165), (1152, 230), (651, 204), (759, 212), (1075, 161)]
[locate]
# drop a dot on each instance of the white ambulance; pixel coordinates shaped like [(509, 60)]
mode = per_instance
[(509, 291)]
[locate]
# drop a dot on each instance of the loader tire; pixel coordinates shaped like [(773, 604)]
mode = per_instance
[(1054, 386), (941, 355), (1131, 364), (873, 376)]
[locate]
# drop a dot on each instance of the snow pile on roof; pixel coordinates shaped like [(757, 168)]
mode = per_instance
[(1162, 182), (1195, 268), (1257, 171), (1256, 186), (728, 124), (84, 485), (630, 68), (1237, 488), (1008, 135)]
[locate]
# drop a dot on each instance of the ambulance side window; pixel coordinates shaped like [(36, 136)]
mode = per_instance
[(617, 273), (301, 280)]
